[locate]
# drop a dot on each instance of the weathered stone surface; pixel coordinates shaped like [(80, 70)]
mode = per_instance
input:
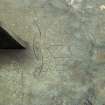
[(65, 61)]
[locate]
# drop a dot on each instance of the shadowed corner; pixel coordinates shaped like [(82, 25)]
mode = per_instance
[(10, 41)]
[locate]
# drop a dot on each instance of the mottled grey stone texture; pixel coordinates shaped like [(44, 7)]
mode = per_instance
[(64, 63)]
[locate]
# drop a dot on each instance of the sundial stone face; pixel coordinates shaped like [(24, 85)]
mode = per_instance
[(64, 63)]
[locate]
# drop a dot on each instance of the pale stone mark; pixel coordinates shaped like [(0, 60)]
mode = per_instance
[(102, 7)]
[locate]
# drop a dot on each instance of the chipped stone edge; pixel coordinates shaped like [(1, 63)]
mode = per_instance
[(22, 43)]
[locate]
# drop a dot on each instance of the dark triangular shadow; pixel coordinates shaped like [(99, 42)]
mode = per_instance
[(9, 41)]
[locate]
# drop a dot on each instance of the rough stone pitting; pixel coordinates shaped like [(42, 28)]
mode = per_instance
[(10, 41)]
